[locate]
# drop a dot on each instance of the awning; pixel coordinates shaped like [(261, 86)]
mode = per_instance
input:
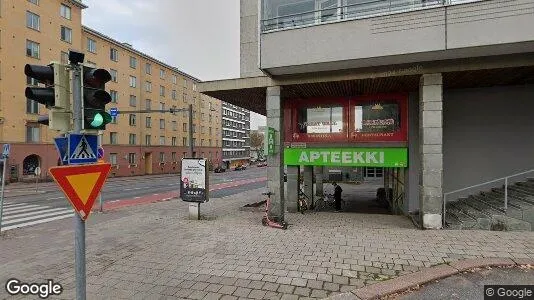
[(250, 93)]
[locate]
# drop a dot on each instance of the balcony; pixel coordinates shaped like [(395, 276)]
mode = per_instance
[(326, 35)]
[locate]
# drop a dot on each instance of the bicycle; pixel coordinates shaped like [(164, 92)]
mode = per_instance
[(302, 203)]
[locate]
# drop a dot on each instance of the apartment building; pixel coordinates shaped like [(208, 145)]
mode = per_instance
[(235, 135), (38, 32), (435, 96)]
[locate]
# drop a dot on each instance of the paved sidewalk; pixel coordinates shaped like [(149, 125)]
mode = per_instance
[(154, 251)]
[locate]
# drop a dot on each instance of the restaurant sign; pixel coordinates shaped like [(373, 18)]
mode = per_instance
[(356, 157)]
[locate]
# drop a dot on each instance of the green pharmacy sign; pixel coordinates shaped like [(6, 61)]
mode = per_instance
[(350, 157)]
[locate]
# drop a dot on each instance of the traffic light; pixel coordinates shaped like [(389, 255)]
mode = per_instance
[(55, 96), (95, 98)]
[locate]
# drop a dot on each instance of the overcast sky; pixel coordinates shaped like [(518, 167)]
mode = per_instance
[(199, 37)]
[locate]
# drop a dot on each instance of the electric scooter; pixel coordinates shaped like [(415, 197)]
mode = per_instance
[(266, 221)]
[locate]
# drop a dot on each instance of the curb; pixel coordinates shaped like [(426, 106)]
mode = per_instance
[(405, 282)]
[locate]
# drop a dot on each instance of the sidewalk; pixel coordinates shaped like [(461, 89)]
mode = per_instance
[(152, 251)]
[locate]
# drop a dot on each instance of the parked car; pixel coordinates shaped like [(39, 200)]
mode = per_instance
[(219, 169), (240, 167), (262, 164)]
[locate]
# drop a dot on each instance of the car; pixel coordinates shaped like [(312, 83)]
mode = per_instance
[(219, 170), (240, 168), (262, 164)]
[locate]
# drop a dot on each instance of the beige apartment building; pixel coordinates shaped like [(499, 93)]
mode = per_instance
[(38, 32)]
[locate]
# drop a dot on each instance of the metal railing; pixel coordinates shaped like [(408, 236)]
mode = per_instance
[(351, 11), (506, 180)]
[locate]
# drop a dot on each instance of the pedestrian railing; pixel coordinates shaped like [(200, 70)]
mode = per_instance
[(505, 179)]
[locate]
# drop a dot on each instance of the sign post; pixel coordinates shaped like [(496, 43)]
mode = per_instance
[(194, 184), (4, 163)]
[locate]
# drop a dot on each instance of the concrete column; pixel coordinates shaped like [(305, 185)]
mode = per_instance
[(308, 184), (318, 172), (275, 172), (292, 188), (431, 150)]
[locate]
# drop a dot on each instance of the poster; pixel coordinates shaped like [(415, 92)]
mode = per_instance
[(194, 180)]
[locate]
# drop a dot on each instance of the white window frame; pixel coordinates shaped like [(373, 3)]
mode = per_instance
[(65, 11), (33, 20), (68, 34), (91, 45)]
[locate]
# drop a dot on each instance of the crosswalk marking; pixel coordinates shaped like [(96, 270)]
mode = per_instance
[(17, 215)]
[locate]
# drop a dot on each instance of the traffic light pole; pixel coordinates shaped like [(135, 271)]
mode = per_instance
[(79, 242)]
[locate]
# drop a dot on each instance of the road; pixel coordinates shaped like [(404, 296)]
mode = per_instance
[(49, 203)]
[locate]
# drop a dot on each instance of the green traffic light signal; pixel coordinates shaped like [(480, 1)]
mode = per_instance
[(96, 119)]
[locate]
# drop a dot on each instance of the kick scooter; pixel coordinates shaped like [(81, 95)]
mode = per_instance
[(266, 221)]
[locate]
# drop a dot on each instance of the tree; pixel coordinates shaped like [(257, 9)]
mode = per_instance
[(256, 142)]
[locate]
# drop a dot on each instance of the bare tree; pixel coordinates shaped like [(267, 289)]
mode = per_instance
[(256, 142)]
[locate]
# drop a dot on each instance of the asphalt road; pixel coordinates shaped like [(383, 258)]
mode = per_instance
[(137, 187)]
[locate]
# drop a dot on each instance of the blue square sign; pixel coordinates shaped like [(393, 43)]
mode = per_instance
[(82, 149)]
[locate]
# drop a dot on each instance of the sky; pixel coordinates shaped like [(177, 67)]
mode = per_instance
[(199, 37)]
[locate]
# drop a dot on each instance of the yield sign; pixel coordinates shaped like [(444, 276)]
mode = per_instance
[(81, 184)]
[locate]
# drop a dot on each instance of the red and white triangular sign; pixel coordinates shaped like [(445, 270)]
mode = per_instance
[(81, 184)]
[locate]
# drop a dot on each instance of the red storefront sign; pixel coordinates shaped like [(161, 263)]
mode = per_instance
[(373, 118)]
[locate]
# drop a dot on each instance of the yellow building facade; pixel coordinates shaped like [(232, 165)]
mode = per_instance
[(38, 32)]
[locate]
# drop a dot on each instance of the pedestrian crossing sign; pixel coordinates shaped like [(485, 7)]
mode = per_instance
[(82, 149)]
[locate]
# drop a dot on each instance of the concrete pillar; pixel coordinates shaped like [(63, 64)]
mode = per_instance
[(431, 150), (318, 172), (292, 188), (308, 184), (275, 171)]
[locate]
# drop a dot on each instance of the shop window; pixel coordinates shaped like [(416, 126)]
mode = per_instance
[(320, 120), (380, 119)]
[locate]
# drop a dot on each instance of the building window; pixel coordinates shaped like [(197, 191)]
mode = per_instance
[(194, 86), (131, 158), (32, 49), (194, 142), (185, 83), (113, 74), (65, 11), (132, 139), (133, 81), (36, 2), (148, 140), (66, 34), (185, 97), (162, 157), (174, 79), (161, 123), (148, 68), (64, 57), (133, 100), (113, 159), (173, 94), (132, 120), (162, 91), (113, 138), (148, 104), (32, 107), (174, 125), (173, 156), (113, 120), (113, 54), (320, 120), (162, 106), (33, 21), (91, 45), (173, 141), (162, 140), (184, 141), (33, 133), (184, 126), (194, 128), (148, 86), (162, 74), (148, 122), (133, 62), (114, 96)]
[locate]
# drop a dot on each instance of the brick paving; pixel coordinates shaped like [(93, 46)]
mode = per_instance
[(154, 251)]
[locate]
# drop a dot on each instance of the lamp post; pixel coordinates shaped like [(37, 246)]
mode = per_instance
[(191, 153)]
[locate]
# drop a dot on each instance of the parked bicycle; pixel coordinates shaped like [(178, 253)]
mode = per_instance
[(302, 202)]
